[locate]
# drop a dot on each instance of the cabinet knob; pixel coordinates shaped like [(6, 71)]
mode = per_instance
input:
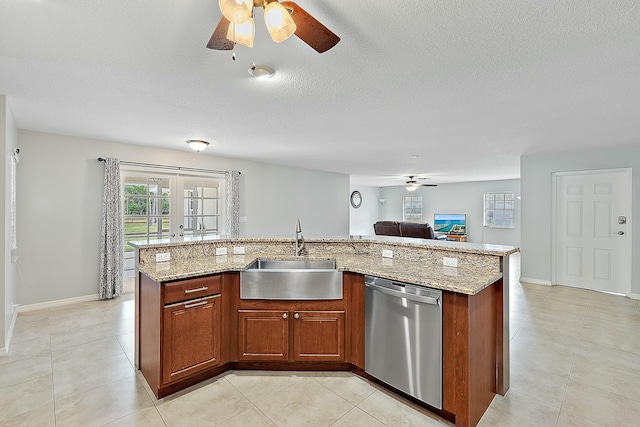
[(297, 315), (285, 315)]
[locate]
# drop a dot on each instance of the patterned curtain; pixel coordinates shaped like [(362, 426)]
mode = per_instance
[(232, 186), (112, 241)]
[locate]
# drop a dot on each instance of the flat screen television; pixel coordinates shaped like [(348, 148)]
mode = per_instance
[(450, 223)]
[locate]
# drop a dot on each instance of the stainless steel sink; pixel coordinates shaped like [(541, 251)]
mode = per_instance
[(300, 279), (293, 264)]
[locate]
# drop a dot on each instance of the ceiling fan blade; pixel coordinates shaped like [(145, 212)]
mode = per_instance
[(218, 40), (310, 30), (429, 185)]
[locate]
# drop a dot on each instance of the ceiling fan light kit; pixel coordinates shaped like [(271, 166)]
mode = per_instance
[(412, 184), (243, 33), (236, 11), (278, 21), (281, 19)]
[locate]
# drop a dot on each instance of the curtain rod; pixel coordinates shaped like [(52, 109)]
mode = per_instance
[(180, 168)]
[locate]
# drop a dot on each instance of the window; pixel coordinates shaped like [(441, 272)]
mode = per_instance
[(412, 208), (499, 210)]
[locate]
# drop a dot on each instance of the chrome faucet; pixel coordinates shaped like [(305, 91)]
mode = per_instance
[(299, 239)]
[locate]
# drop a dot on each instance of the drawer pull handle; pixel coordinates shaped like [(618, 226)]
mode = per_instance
[(197, 304), (285, 315), (188, 291), (297, 316)]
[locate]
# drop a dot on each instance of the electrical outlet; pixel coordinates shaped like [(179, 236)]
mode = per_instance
[(165, 256), (386, 253), (450, 262), (221, 251), (238, 250)]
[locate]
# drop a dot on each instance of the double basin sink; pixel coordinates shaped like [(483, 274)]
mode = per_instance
[(300, 279)]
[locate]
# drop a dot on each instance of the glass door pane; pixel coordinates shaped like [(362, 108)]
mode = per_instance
[(147, 212), (201, 207)]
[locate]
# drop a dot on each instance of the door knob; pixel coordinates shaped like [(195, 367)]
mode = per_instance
[(285, 315), (297, 316), (619, 233)]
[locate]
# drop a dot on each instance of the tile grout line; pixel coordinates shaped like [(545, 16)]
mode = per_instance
[(253, 404)]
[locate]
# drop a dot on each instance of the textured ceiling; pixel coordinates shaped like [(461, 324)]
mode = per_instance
[(467, 86)]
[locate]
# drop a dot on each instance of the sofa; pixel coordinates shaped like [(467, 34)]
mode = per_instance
[(404, 229)]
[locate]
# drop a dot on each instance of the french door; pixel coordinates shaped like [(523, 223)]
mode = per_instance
[(592, 218), (161, 207)]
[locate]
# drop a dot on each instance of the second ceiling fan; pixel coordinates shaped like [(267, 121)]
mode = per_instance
[(412, 184), (283, 19)]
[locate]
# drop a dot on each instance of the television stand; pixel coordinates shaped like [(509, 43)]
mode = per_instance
[(457, 237)]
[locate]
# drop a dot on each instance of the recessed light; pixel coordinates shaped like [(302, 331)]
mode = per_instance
[(261, 71)]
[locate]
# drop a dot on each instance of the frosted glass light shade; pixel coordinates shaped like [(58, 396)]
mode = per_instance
[(236, 11), (244, 33), (197, 144), (412, 187), (278, 22)]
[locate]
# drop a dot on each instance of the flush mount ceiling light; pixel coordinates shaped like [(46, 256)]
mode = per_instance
[(281, 19), (197, 145), (261, 71)]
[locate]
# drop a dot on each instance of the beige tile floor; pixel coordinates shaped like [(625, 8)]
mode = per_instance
[(575, 362)]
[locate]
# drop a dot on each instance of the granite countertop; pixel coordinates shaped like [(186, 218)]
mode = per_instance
[(464, 247), (461, 280)]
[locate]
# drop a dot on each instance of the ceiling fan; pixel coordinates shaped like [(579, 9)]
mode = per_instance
[(412, 184), (283, 19)]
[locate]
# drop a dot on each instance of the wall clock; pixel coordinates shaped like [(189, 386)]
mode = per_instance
[(356, 199)]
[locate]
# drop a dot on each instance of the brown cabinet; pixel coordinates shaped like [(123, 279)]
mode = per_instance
[(191, 337), (263, 334), (319, 336), (291, 335), (183, 331)]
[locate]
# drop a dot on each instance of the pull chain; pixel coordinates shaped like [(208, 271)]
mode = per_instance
[(233, 54)]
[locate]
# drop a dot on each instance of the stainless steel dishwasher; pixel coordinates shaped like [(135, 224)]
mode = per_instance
[(403, 337)]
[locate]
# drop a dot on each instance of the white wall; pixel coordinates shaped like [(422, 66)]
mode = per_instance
[(60, 197), (8, 142), (466, 198), (536, 171), (361, 219)]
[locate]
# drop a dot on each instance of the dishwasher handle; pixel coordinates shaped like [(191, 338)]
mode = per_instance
[(413, 297)]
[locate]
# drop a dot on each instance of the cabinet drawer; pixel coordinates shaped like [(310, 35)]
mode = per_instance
[(192, 288)]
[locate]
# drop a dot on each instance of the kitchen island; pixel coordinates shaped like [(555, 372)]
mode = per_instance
[(233, 333)]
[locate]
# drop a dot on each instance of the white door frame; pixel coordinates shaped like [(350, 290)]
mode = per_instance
[(554, 228)]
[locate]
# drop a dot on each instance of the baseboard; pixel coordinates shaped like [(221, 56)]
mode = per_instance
[(5, 350), (634, 296), (56, 303), (535, 281)]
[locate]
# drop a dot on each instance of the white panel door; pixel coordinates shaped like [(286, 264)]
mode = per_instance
[(591, 241)]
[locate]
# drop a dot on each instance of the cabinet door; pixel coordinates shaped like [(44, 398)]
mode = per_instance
[(191, 337), (263, 335), (318, 336)]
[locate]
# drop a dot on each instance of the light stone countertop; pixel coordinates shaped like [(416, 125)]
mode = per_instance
[(463, 247), (461, 280)]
